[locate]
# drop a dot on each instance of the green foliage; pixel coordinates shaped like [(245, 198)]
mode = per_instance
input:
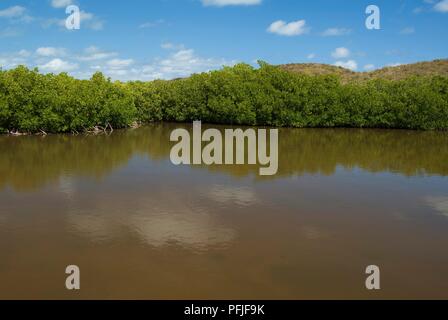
[(241, 95)]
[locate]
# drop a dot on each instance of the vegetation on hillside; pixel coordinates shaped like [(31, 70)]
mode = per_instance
[(399, 72), (32, 102)]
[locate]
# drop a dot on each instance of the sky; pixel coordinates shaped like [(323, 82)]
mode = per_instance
[(152, 39)]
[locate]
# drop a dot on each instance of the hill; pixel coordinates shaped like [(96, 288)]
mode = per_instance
[(429, 68)]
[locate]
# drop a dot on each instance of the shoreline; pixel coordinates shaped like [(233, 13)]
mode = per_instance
[(213, 125)]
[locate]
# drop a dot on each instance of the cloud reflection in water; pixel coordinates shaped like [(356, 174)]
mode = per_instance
[(439, 203)]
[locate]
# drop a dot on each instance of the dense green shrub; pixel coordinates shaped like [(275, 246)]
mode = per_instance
[(241, 95), (33, 102)]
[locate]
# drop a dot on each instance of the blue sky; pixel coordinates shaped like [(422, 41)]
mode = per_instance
[(141, 39)]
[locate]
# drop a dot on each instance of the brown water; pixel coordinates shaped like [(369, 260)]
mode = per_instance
[(141, 228)]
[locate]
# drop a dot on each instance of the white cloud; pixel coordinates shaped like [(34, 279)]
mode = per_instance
[(369, 67), (50, 22), (24, 53), (283, 28), (119, 63), (50, 52), (16, 14), (61, 3), (340, 53), (57, 65), (117, 72), (91, 21), (311, 56), (350, 64), (442, 6), (88, 21), (172, 46), (151, 24), (223, 3), (12, 60), (179, 64), (333, 32), (407, 30), (94, 53), (9, 32), (12, 12)]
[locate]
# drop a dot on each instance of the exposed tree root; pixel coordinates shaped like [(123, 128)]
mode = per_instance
[(135, 125), (16, 133), (96, 130)]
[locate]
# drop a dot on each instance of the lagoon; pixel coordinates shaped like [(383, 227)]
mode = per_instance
[(140, 227)]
